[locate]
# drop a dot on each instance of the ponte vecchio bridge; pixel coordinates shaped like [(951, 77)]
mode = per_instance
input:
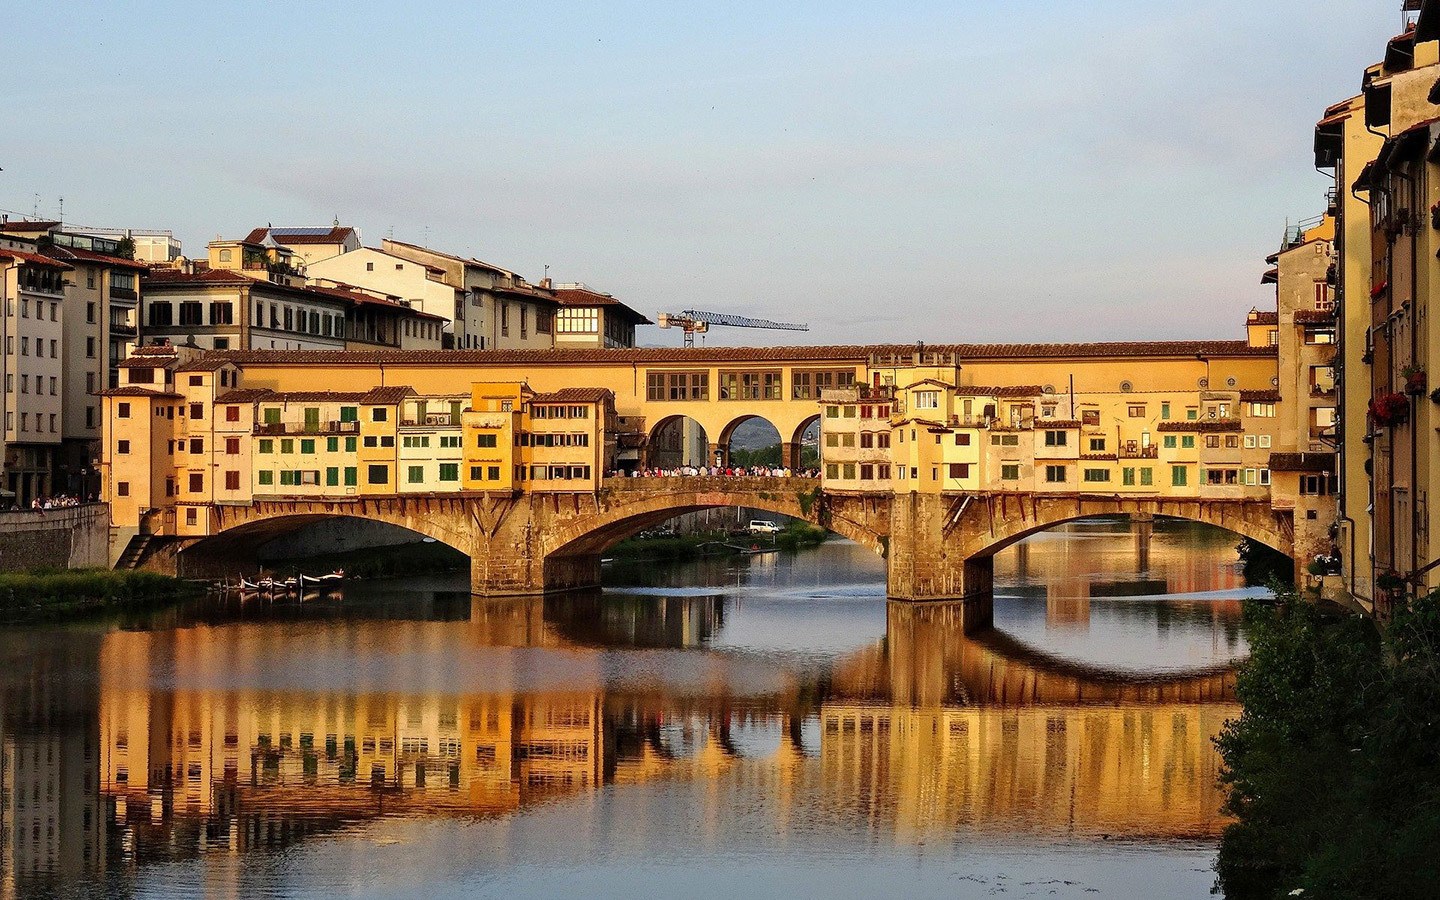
[(935, 458)]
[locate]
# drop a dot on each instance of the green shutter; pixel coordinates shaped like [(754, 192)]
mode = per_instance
[(266, 476), (272, 415), (349, 414), (351, 478), (307, 445), (332, 476), (349, 445), (332, 445)]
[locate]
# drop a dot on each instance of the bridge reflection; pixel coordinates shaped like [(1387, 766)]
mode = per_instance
[(182, 742)]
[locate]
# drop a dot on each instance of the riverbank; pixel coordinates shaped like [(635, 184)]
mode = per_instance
[(1334, 764), (718, 543), (48, 595)]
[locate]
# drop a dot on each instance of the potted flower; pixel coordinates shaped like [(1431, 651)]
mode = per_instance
[(1379, 290), (1389, 409), (1414, 379)]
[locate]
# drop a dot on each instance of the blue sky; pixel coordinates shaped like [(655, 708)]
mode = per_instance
[(963, 171)]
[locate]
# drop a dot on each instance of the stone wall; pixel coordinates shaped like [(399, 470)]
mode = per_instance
[(74, 538)]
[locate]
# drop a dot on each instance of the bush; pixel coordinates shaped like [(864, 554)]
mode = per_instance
[(1334, 764), (50, 593), (799, 534)]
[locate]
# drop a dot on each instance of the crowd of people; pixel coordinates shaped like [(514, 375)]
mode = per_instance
[(59, 501), (717, 472)]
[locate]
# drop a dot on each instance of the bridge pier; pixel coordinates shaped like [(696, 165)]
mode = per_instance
[(926, 562)]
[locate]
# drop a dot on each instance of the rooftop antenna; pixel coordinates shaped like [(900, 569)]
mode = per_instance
[(61, 217), (35, 209)]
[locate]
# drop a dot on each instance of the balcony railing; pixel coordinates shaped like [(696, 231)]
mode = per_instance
[(270, 429), (1131, 451)]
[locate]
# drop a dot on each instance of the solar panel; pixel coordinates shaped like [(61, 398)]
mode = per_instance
[(300, 232)]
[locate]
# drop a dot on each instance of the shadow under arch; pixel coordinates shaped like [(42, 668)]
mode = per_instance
[(795, 452), (236, 550), (1246, 519)]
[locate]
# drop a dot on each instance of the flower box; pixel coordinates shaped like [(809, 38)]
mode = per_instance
[(1389, 409)]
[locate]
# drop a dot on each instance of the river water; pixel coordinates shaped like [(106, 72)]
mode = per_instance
[(768, 726)]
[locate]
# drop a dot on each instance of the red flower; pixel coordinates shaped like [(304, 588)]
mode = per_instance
[(1379, 290), (1389, 409)]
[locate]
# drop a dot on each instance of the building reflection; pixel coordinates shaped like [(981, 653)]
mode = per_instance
[(181, 746)]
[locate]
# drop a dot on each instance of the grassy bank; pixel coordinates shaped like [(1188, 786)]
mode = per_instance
[(420, 558), (1334, 765), (57, 594)]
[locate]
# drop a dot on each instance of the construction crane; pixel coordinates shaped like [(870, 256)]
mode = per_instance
[(698, 321)]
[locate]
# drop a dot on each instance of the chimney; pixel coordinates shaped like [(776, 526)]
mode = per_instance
[(546, 282)]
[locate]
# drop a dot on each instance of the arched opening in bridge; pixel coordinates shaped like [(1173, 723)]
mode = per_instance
[(678, 441), (315, 544), (1108, 593), (751, 441), (804, 450)]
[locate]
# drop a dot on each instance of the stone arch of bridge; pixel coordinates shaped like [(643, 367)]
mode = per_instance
[(593, 534), (988, 533), (234, 546)]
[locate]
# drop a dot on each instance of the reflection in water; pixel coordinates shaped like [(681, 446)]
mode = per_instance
[(219, 734)]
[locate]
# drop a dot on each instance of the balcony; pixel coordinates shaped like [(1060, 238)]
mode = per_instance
[(1132, 451), (120, 329), (280, 429)]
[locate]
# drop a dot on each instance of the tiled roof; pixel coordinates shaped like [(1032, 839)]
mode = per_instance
[(579, 296), (1043, 424), (525, 292), (1202, 425), (207, 363), (144, 361), (360, 298), (153, 350), (134, 391), (166, 276), (245, 395), (1263, 318), (1019, 390), (469, 261), (54, 251), (1270, 396), (1314, 316), (1302, 462), (28, 225), (575, 395), (387, 395), (851, 354), (287, 237), (33, 259)]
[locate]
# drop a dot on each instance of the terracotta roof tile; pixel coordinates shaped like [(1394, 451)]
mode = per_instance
[(1314, 316), (575, 395), (54, 251), (33, 259), (1202, 425), (207, 363), (1302, 462), (387, 395), (1263, 318), (1270, 396), (134, 391), (245, 395), (28, 225), (1019, 390), (285, 236), (580, 296)]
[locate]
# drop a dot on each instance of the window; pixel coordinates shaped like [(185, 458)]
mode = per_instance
[(1094, 476), (1056, 438), (307, 445), (377, 475), (1179, 476), (1317, 485), (1262, 410), (1264, 441), (232, 480), (122, 446), (959, 470), (191, 313), (1170, 441), (232, 446), (197, 445), (271, 415), (265, 477), (485, 441), (1212, 441), (962, 439), (1136, 410), (1127, 476), (413, 474), (379, 414), (1147, 477), (287, 445), (1192, 413), (372, 441), (451, 472), (578, 320), (1249, 442), (1005, 440), (475, 473), (1265, 476), (349, 414), (351, 476), (197, 482), (1055, 474), (122, 410), (122, 489), (1009, 472), (1164, 410), (1187, 442), (927, 399), (1097, 445), (267, 445), (350, 443), (197, 410), (332, 445), (332, 476), (449, 441), (232, 413)]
